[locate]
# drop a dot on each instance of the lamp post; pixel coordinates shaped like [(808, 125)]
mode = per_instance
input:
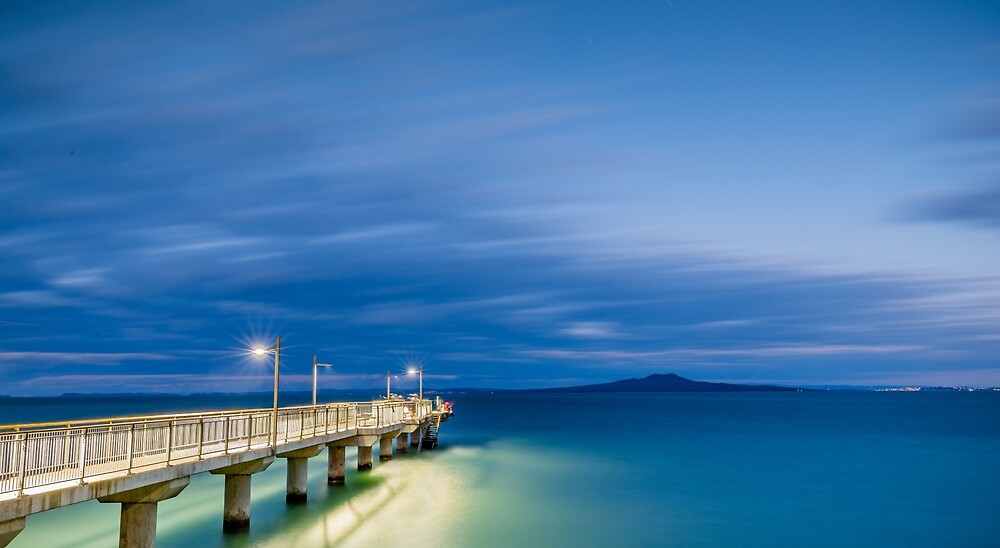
[(419, 370), (388, 393), (315, 365), (260, 351)]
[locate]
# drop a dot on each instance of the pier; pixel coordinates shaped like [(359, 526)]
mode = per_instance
[(138, 461)]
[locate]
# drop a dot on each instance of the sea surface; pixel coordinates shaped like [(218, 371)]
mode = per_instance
[(536, 470)]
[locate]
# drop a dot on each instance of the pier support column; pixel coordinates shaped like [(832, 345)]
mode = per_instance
[(402, 443), (138, 519), (415, 437), (364, 458), (335, 465), (9, 529), (298, 472), (236, 504), (385, 447)]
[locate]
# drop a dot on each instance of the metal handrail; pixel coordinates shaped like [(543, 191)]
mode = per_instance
[(37, 455), (144, 418)]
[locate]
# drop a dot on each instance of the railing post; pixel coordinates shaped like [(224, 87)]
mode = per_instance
[(226, 434), (170, 440), (83, 453), (201, 435), (22, 463), (131, 438), (66, 447)]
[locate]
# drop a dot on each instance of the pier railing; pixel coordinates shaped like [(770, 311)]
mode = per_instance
[(42, 454)]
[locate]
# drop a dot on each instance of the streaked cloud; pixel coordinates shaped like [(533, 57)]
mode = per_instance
[(972, 140), (783, 351), (44, 298), (591, 330), (976, 205), (92, 358)]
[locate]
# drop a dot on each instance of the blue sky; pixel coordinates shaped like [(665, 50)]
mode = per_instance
[(517, 194)]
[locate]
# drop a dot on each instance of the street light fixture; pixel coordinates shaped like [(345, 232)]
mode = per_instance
[(419, 370), (315, 365), (260, 351)]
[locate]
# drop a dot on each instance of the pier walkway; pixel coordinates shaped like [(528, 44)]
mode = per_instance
[(139, 461)]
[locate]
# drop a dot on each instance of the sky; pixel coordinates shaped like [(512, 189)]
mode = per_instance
[(515, 194)]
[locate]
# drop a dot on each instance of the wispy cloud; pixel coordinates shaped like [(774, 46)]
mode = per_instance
[(38, 298), (90, 358), (975, 205), (781, 351), (592, 330), (972, 137), (85, 277)]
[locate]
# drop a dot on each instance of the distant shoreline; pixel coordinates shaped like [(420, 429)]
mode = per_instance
[(657, 383)]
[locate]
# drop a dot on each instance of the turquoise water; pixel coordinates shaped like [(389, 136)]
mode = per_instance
[(767, 469)]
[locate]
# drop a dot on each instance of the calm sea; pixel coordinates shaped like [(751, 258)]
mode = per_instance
[(767, 469)]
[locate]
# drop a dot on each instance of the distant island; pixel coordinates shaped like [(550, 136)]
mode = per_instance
[(668, 383)]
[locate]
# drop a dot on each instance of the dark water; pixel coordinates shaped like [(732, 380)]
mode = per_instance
[(768, 469)]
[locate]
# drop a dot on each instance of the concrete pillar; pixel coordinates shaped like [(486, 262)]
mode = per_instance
[(138, 524), (364, 458), (385, 448), (298, 479), (415, 437), (335, 465), (138, 519), (402, 443), (9, 529), (236, 502), (298, 472)]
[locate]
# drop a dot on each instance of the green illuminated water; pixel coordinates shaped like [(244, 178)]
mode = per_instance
[(769, 469)]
